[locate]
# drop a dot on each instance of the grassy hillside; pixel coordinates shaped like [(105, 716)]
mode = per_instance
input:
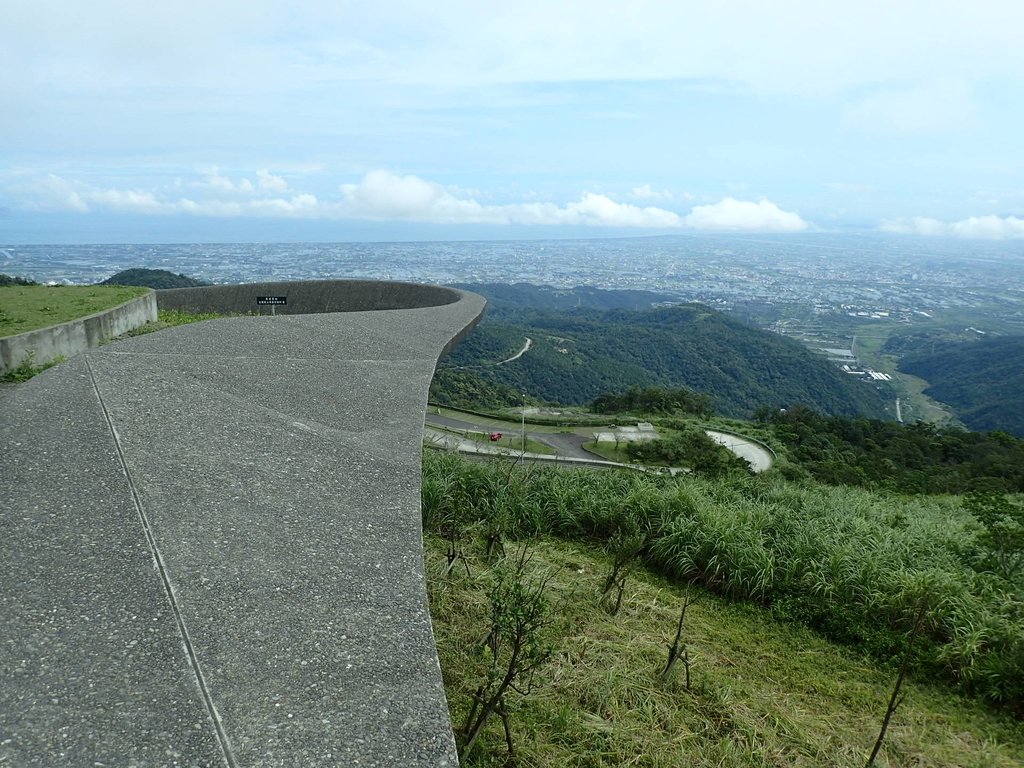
[(763, 693), (580, 353), (982, 379), (849, 563), (777, 570)]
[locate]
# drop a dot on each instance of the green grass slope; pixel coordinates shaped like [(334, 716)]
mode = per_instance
[(853, 565), (762, 693)]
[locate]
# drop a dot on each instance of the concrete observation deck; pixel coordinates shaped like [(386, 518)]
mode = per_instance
[(210, 544)]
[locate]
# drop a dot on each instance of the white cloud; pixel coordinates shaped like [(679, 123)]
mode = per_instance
[(990, 227), (265, 182), (126, 200), (383, 195), (975, 227), (53, 193), (938, 107), (221, 196), (601, 210), (732, 214), (297, 206), (49, 193), (647, 192), (379, 195), (219, 183), (269, 183)]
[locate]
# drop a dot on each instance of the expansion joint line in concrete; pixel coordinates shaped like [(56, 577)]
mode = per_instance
[(165, 578)]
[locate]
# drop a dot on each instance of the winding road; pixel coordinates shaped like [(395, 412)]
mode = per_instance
[(569, 445), (451, 441), (758, 457), (520, 353)]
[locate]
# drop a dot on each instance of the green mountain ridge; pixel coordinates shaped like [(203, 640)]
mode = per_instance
[(982, 379), (583, 351)]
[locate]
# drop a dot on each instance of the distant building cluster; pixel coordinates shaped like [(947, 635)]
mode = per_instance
[(867, 374), (847, 362), (642, 432)]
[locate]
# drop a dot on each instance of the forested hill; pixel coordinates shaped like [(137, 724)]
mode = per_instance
[(983, 380), (6, 280), (152, 278), (582, 352)]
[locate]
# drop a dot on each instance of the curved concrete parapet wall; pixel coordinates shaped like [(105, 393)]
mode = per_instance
[(71, 338), (308, 296), (212, 546)]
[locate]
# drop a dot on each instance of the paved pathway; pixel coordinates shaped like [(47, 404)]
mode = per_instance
[(759, 458), (565, 443), (520, 353), (210, 547), (570, 445), (449, 441)]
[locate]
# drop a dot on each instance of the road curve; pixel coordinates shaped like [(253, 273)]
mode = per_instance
[(759, 458), (520, 353), (570, 445), (448, 441)]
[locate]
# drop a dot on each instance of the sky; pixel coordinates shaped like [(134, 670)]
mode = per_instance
[(127, 121)]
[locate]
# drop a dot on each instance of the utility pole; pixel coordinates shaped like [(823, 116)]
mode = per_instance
[(524, 422)]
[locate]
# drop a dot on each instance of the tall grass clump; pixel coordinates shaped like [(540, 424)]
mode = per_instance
[(847, 562)]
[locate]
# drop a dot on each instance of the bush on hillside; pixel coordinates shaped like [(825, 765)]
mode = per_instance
[(653, 400)]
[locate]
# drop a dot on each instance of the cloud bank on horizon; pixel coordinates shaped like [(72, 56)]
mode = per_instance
[(384, 196), (976, 227), (573, 114)]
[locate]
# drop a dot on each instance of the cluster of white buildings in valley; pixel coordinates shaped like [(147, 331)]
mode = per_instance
[(867, 373), (847, 361)]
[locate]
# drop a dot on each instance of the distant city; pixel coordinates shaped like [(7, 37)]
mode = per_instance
[(810, 287)]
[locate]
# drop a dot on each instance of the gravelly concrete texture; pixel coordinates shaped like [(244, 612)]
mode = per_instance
[(210, 547)]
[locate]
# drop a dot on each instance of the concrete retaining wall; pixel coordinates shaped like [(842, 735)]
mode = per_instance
[(307, 297), (76, 336)]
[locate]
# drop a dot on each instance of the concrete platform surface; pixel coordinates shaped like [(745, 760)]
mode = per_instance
[(210, 547)]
